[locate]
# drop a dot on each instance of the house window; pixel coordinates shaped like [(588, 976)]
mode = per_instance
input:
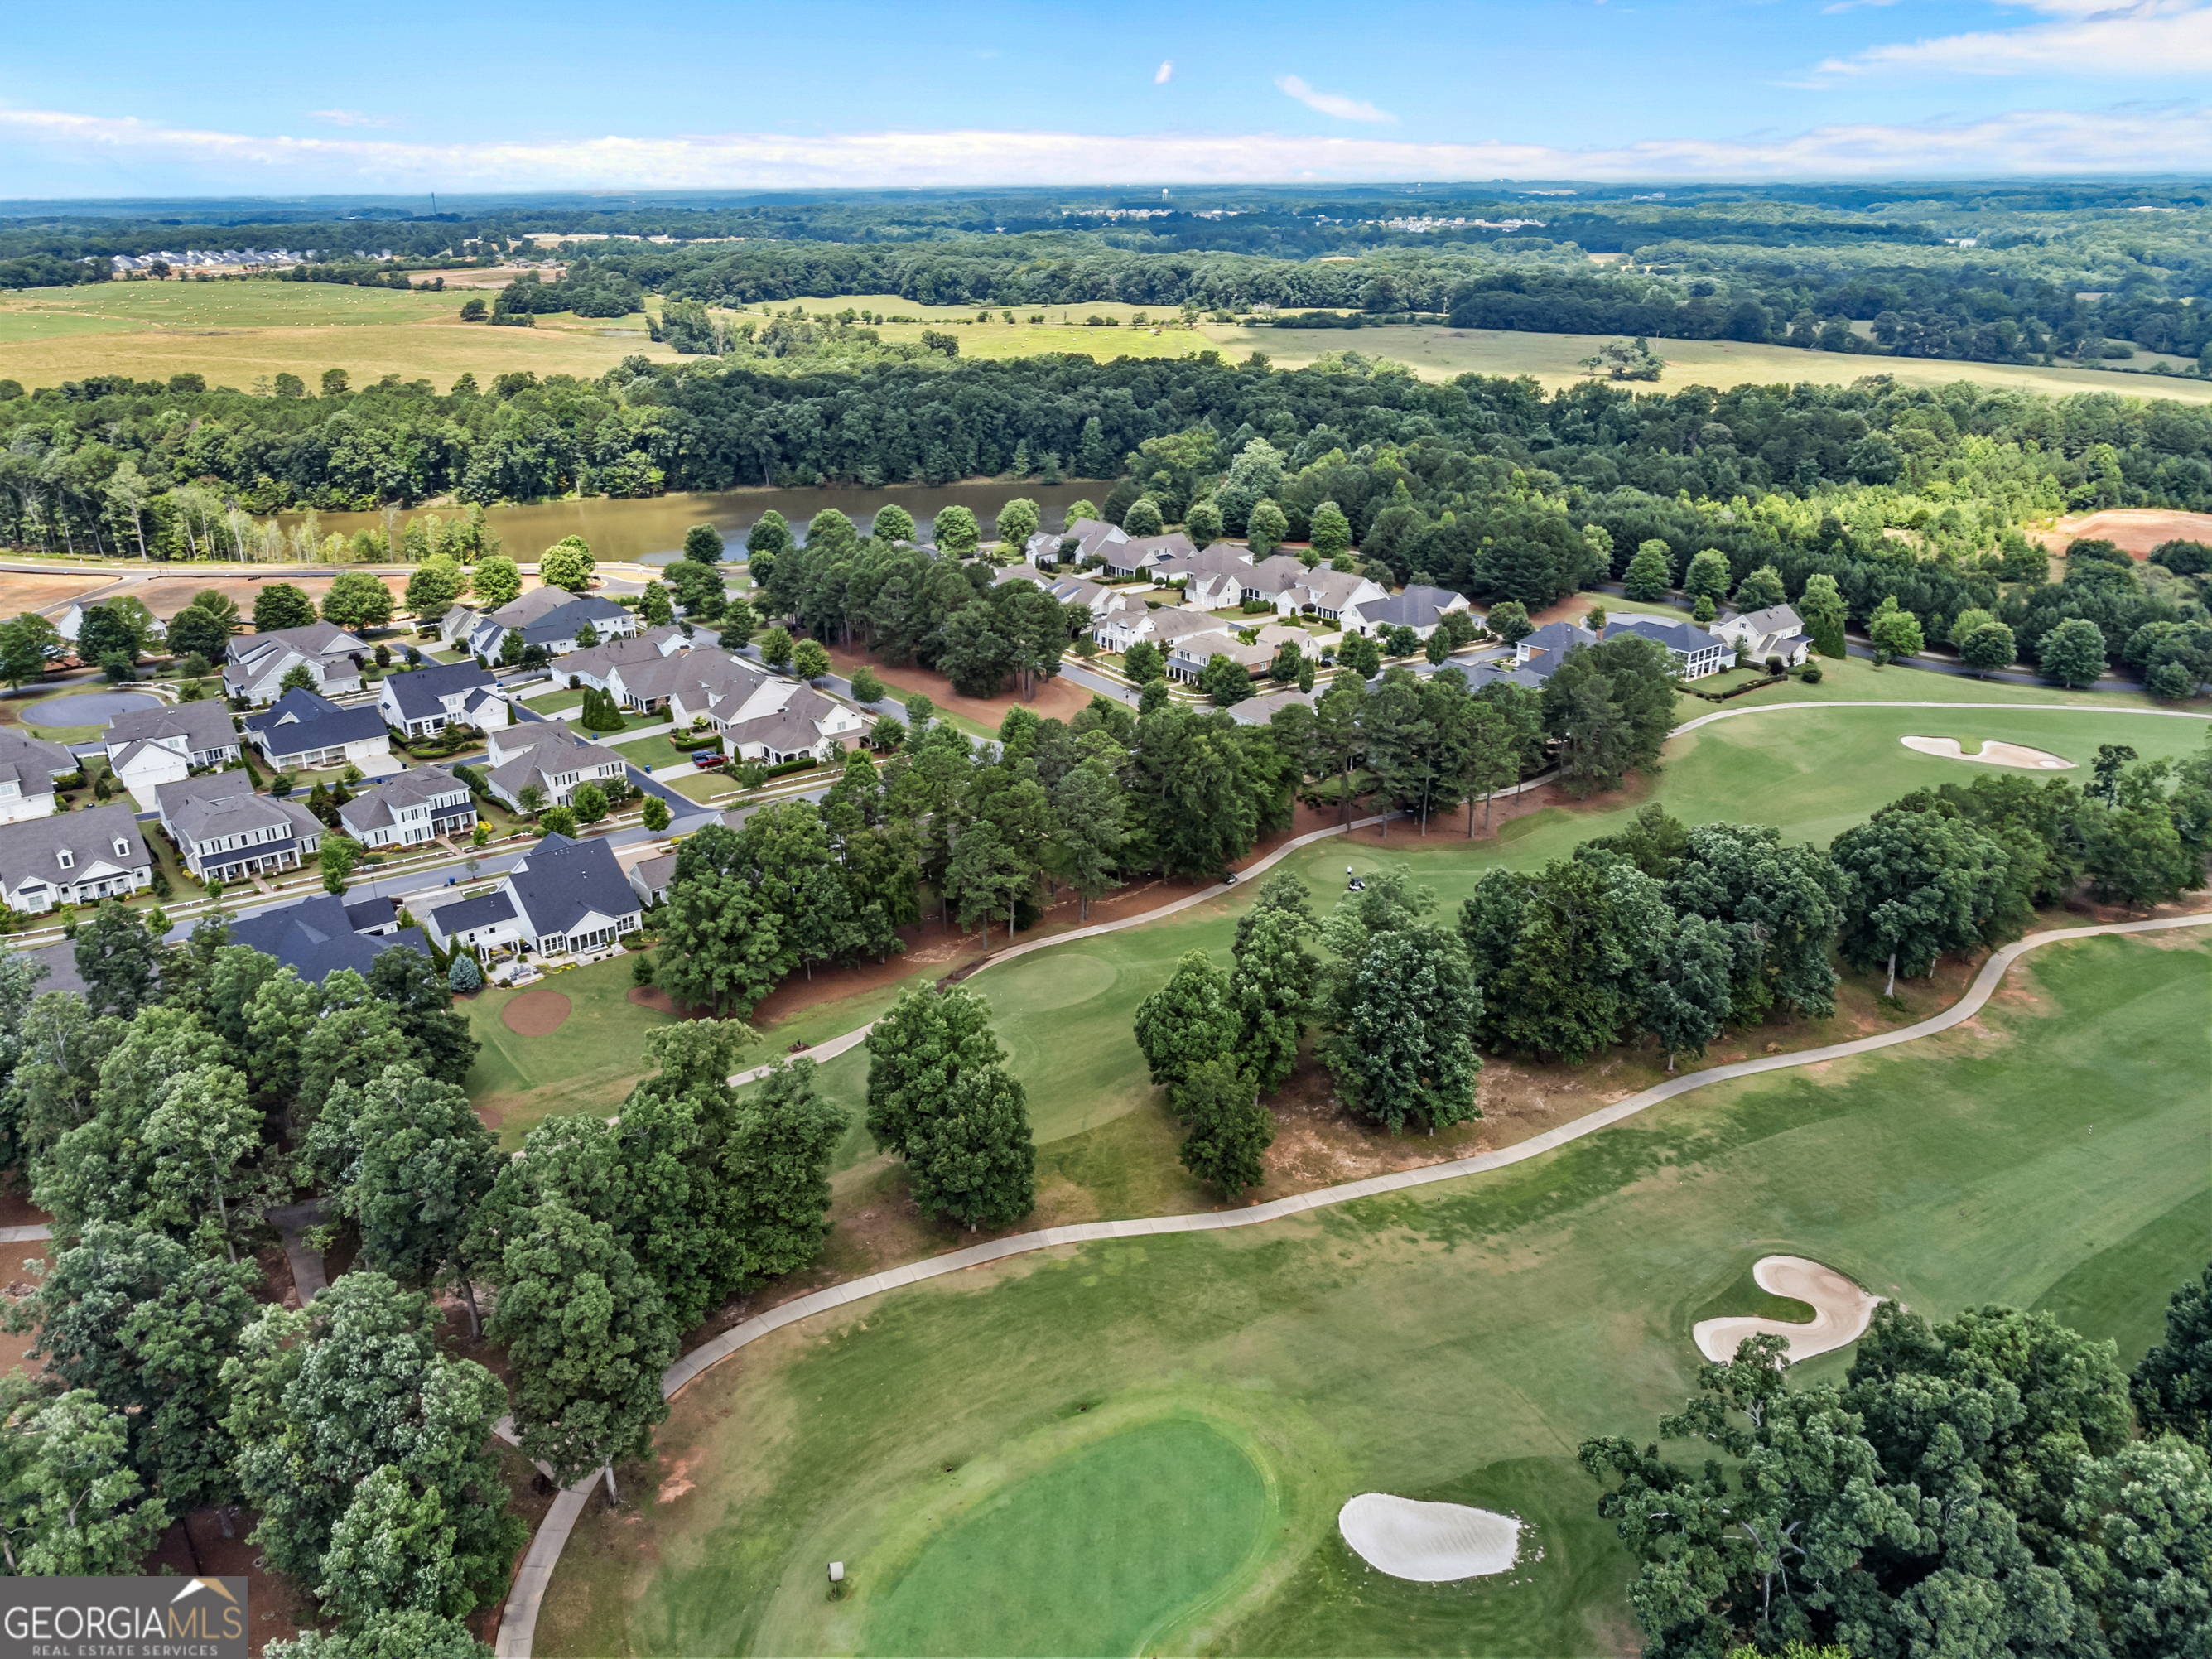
[(122, 847), (66, 859)]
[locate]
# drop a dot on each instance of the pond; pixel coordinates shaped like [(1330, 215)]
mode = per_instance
[(630, 530)]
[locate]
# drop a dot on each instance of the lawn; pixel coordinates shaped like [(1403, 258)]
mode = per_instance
[(237, 332), (1065, 1014), (646, 753), (589, 1064), (1439, 353), (962, 1445)]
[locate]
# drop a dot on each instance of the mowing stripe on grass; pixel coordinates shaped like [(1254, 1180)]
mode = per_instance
[(517, 1623)]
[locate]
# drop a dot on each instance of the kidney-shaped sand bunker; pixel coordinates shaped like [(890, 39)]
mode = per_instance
[(1428, 1543)]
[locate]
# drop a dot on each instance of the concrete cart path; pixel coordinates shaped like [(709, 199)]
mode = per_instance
[(518, 1620)]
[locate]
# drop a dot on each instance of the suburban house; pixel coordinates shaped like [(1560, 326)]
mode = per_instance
[(762, 716), (414, 806), (1068, 590), (257, 663), (1329, 594), (29, 767), (564, 897), (803, 723), (75, 857), (1211, 576), (548, 754), (226, 832), (1258, 711), (549, 617), (1275, 579), (649, 877), (1189, 655), (301, 732), (594, 664), (1094, 539), (318, 936), (1122, 627), (1537, 656), (1692, 652), (424, 701), (150, 747), (1757, 636), (1420, 608), (1135, 555)]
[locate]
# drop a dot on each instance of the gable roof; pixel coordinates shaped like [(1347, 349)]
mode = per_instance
[(195, 815), (31, 850), (1417, 607), (315, 938), (558, 750), (320, 639), (1774, 619), (1275, 573), (418, 692), (203, 725), (561, 881), (301, 719), (1674, 636), (33, 763), (374, 809), (482, 911)]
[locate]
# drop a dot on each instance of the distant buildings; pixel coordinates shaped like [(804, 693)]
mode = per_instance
[(547, 617), (547, 754), (235, 261)]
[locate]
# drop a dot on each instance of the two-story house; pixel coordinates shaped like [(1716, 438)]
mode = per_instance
[(548, 755), (29, 767), (424, 701), (301, 732), (1757, 637), (416, 806), (1692, 652), (76, 858), (564, 897), (150, 747), (256, 665), (225, 832), (548, 617)]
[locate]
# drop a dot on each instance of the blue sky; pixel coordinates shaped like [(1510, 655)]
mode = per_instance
[(173, 99)]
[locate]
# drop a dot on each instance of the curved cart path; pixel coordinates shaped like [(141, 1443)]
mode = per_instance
[(518, 1620)]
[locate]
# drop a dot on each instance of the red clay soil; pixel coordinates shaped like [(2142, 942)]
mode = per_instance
[(21, 590), (1056, 699), (535, 1013), (194, 1547), (2134, 529)]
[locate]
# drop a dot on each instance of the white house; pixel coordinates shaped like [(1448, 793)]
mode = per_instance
[(77, 858), (1692, 652), (414, 806), (150, 747), (595, 665), (1119, 630), (28, 768), (1757, 636), (226, 832), (424, 701), (1420, 608), (762, 716), (301, 732), (547, 754), (564, 897), (549, 617), (1329, 593), (1276, 580), (255, 665), (1135, 555)]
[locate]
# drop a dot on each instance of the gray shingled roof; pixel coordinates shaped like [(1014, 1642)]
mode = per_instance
[(315, 938), (33, 763), (299, 720), (203, 725), (482, 911), (373, 809), (418, 692), (1675, 635), (29, 850), (564, 880)]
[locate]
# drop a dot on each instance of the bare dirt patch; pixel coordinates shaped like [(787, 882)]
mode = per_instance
[(537, 1012), (1056, 699), (19, 590), (195, 1546), (2134, 529)]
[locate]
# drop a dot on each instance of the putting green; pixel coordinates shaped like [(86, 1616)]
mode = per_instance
[(1451, 1343), (1090, 1554)]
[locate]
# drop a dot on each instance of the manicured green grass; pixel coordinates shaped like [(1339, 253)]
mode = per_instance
[(1090, 1554), (649, 752), (1855, 679), (588, 1064), (1454, 1343), (1065, 1014), (564, 701), (711, 788)]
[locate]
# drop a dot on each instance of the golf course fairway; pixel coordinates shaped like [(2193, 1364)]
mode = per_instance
[(1451, 1343)]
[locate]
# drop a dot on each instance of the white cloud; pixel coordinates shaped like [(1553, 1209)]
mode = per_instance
[(1166, 68), (132, 157), (1332, 103), (2149, 38), (349, 118)]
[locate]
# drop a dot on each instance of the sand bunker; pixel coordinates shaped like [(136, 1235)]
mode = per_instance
[(1841, 1311), (1993, 754), (1428, 1543), (535, 1013)]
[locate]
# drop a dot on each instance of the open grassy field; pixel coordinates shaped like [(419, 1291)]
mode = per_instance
[(1437, 354), (588, 1064), (962, 1444), (237, 332)]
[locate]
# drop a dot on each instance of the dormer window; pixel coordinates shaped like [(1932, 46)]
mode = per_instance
[(122, 847), (67, 859)]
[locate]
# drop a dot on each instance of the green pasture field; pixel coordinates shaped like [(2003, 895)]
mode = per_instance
[(958, 1445), (588, 1064), (236, 333)]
